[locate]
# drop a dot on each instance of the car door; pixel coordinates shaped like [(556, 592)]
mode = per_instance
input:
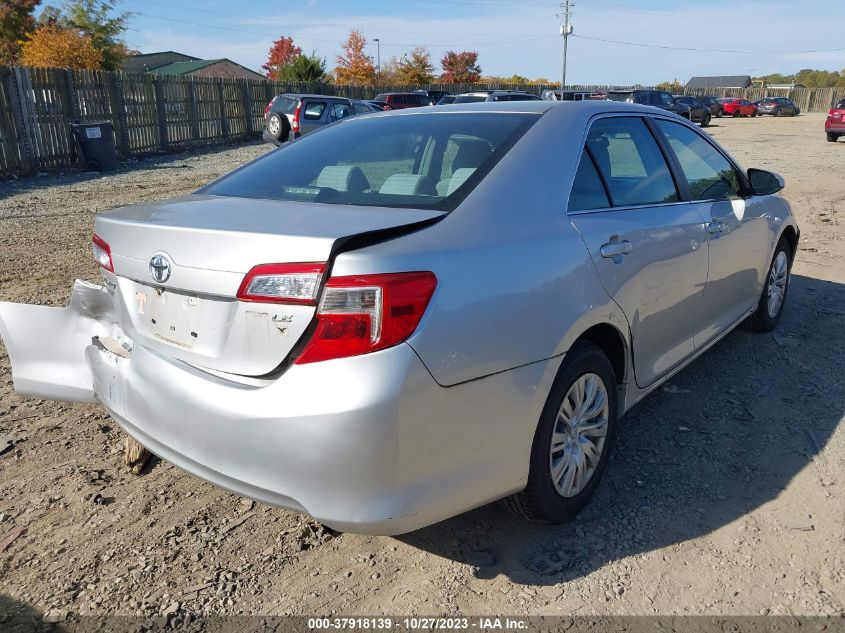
[(648, 246), (340, 110), (737, 232)]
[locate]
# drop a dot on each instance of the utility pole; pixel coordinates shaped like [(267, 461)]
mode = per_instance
[(565, 31), (378, 53)]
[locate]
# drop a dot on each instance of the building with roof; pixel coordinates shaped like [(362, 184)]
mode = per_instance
[(718, 82), (179, 64)]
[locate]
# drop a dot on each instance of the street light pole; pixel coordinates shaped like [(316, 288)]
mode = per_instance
[(378, 53)]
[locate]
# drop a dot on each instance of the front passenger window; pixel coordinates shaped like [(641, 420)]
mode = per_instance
[(710, 175)]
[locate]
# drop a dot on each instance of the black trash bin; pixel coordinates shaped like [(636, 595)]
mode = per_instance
[(96, 140)]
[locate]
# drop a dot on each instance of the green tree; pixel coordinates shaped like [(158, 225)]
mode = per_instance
[(304, 68), (99, 20), (416, 68), (16, 23)]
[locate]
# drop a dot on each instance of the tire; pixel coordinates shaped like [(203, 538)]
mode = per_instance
[(720, 113), (278, 127), (831, 138), (737, 113), (776, 112), (706, 120), (765, 318), (542, 501), (754, 114)]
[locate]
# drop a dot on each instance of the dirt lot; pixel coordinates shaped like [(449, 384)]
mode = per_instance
[(725, 495)]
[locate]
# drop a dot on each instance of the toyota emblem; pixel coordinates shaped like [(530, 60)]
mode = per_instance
[(160, 268)]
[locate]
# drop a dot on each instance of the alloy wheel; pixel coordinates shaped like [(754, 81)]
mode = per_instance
[(579, 435), (778, 278)]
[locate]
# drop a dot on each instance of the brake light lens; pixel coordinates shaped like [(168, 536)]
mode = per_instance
[(282, 283), (363, 314), (269, 105), (296, 114), (102, 253)]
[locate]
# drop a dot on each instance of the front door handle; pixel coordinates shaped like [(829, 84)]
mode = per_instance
[(716, 227), (615, 249)]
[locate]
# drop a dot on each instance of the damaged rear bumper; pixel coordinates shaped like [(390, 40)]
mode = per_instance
[(368, 444)]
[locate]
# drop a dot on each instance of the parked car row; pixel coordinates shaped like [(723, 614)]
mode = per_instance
[(288, 116)]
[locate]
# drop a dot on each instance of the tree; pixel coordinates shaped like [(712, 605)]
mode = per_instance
[(460, 67), (416, 68), (355, 66), (97, 20), (388, 75), (282, 53), (304, 68), (57, 47), (16, 23), (674, 87)]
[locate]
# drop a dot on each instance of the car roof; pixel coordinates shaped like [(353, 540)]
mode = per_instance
[(589, 107), (305, 95)]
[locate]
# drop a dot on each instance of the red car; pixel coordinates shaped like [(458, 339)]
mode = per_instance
[(738, 107), (834, 126)]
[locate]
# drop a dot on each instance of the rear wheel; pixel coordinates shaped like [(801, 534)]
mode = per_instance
[(776, 112), (720, 113), (737, 113), (754, 113), (706, 120), (573, 439), (277, 126), (770, 306), (831, 138)]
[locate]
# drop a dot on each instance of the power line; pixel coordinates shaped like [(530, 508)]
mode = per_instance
[(706, 50)]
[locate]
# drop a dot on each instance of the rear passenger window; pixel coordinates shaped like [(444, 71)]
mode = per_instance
[(587, 189), (710, 175), (314, 111), (631, 162)]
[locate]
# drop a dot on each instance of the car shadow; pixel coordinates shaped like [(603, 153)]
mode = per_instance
[(722, 438), (17, 617)]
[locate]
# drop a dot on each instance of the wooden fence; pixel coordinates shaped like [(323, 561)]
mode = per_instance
[(159, 113)]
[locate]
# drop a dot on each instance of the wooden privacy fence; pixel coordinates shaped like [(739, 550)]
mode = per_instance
[(155, 113)]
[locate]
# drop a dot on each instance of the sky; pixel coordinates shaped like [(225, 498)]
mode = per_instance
[(516, 36)]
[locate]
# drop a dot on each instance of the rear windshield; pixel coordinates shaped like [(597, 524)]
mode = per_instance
[(426, 161), (287, 105), (841, 104), (620, 96)]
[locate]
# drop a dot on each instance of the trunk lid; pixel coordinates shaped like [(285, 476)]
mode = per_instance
[(210, 243)]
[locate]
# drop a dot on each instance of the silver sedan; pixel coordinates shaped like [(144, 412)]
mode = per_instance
[(406, 315)]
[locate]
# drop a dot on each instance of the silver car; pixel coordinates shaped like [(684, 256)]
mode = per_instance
[(410, 314)]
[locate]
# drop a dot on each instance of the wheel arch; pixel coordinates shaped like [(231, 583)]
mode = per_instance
[(614, 345), (790, 234)]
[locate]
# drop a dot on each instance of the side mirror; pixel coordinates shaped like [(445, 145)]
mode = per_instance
[(765, 183)]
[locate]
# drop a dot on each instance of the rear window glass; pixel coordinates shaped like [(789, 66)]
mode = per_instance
[(285, 105), (620, 96), (841, 104), (427, 161)]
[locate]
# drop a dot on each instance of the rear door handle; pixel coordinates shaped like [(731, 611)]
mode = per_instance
[(716, 227), (615, 249)]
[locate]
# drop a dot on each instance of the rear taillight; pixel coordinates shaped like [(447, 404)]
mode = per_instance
[(282, 283), (363, 314), (296, 114), (102, 253), (269, 105)]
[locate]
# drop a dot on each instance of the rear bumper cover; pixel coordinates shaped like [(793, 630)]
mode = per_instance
[(368, 444)]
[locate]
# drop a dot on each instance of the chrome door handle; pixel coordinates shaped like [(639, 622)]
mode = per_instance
[(615, 249), (715, 227)]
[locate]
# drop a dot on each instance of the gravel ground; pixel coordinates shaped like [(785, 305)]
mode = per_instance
[(724, 494)]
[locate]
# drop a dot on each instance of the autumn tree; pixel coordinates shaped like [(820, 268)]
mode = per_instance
[(460, 67), (388, 75), (671, 86), (16, 23), (355, 66), (416, 68), (100, 21), (54, 46), (282, 53)]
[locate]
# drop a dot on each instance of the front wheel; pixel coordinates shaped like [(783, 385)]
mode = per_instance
[(572, 441), (770, 306), (720, 113), (706, 120), (737, 113)]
